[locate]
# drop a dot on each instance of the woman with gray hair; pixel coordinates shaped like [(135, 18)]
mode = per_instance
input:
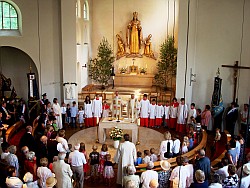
[(12, 159), (200, 180), (30, 164), (130, 170), (28, 179), (43, 172)]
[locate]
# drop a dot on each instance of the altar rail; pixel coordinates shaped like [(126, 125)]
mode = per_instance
[(157, 167), (10, 131)]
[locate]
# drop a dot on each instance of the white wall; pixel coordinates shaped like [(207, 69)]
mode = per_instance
[(215, 39)]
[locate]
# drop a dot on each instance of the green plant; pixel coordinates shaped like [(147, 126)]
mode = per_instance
[(143, 70), (100, 67), (168, 63), (123, 70)]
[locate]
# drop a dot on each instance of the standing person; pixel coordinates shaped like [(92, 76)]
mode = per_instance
[(173, 114), (243, 118), (57, 112), (28, 139), (74, 112), (191, 116), (116, 105), (108, 171), (166, 147), (164, 174), (182, 116), (81, 116), (152, 109), (77, 160), (12, 159), (2, 128), (97, 109), (205, 117), (144, 107), (102, 158), (68, 114), (125, 155), (63, 172), (12, 179), (63, 112), (133, 108), (159, 112), (44, 99), (231, 118), (202, 163), (11, 108), (5, 114), (88, 112), (43, 172), (176, 145), (167, 113), (94, 163), (148, 175), (105, 109)]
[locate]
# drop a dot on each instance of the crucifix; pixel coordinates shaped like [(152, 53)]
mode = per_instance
[(236, 67)]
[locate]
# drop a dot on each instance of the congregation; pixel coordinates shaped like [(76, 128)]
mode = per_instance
[(51, 162)]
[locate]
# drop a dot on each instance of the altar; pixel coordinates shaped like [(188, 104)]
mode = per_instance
[(145, 80), (105, 123)]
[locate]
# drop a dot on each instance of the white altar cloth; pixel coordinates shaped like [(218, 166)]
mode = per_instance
[(123, 124)]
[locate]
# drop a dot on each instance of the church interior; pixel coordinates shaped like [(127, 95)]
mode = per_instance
[(54, 53)]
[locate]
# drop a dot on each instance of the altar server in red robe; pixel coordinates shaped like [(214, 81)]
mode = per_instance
[(167, 113), (159, 112), (144, 111), (97, 109), (182, 116), (173, 113), (152, 108)]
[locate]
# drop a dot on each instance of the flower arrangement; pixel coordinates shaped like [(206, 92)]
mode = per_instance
[(116, 133), (143, 70)]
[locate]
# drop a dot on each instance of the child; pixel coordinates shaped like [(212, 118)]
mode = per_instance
[(166, 113), (88, 112), (181, 116), (54, 125), (152, 109), (94, 163), (217, 135), (102, 159), (139, 158), (97, 109), (146, 158), (49, 129), (176, 145), (191, 115), (68, 114), (173, 114), (144, 109), (153, 156), (80, 116), (106, 109), (185, 144), (63, 110), (159, 112), (191, 142), (83, 150), (74, 113), (108, 170)]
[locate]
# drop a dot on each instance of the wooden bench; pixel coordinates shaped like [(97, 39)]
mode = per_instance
[(35, 125), (10, 131), (157, 167)]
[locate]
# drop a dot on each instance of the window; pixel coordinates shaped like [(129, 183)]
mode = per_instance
[(9, 17), (85, 11)]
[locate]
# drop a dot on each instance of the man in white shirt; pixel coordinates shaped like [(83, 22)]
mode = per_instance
[(245, 181), (144, 111), (133, 108), (176, 145), (97, 109), (223, 172), (148, 175), (77, 160), (190, 170)]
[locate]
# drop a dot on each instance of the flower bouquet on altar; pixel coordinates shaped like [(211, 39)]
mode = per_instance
[(116, 133)]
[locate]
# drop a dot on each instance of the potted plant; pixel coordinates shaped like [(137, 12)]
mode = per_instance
[(116, 134), (168, 63), (100, 67)]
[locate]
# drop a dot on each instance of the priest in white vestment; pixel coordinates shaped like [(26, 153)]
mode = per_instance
[(97, 109), (125, 155), (182, 116), (58, 113), (133, 108), (116, 105), (144, 111)]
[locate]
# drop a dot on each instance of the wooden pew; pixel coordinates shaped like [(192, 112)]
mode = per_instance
[(35, 125), (10, 131), (157, 167)]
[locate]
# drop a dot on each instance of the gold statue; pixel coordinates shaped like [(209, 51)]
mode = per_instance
[(121, 47), (148, 47), (134, 36)]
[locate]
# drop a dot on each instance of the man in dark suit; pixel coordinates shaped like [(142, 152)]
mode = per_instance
[(231, 118), (28, 139), (5, 114), (52, 147), (44, 99)]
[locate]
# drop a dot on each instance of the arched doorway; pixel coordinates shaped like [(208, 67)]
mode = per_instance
[(15, 64)]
